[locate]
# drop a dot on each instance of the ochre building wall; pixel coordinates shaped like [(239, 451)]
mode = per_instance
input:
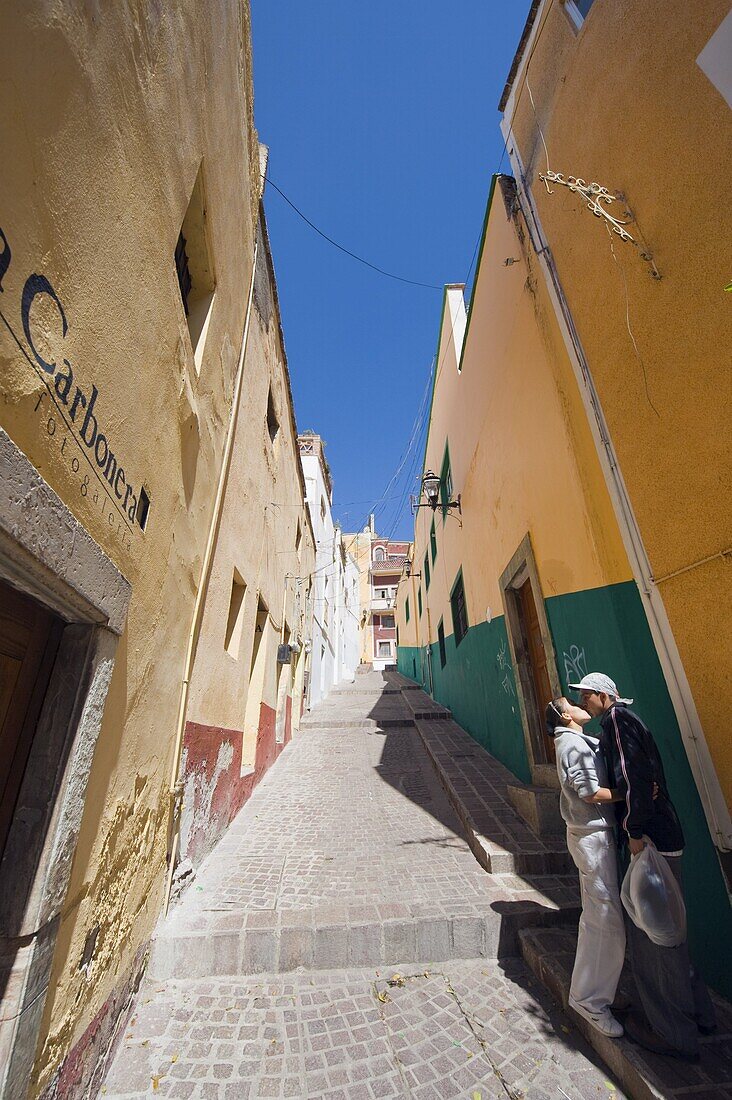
[(522, 458), (105, 126), (624, 102), (238, 724)]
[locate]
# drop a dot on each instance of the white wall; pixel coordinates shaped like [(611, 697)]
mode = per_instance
[(335, 645)]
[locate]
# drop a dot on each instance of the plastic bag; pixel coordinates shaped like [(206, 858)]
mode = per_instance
[(653, 899)]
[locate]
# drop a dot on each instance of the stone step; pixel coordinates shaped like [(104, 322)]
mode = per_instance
[(236, 943), (478, 787), (549, 953), (539, 807), (423, 706), (316, 722)]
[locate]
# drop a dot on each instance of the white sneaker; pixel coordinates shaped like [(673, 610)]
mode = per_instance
[(604, 1021)]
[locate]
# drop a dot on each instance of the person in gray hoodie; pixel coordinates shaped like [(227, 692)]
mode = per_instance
[(585, 803)]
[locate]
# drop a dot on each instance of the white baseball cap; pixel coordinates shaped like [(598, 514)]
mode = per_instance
[(598, 681)]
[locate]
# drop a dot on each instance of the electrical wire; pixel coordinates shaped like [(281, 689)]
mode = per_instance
[(342, 248), (638, 355)]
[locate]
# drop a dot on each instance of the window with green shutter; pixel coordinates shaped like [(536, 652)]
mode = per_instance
[(441, 641), (427, 577), (433, 542), (445, 483), (459, 610)]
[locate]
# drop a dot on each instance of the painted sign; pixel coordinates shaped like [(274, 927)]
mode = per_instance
[(72, 412)]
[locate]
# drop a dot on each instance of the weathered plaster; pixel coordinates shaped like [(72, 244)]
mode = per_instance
[(123, 103), (48, 553)]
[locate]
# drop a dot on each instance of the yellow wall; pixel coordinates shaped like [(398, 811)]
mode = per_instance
[(105, 125), (625, 104), (358, 545), (521, 453), (265, 500)]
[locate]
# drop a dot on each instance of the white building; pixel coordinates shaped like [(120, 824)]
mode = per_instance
[(334, 594)]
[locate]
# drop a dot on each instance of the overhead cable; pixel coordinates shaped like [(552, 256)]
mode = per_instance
[(342, 248)]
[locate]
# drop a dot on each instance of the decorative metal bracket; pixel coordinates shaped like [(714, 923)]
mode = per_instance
[(597, 196)]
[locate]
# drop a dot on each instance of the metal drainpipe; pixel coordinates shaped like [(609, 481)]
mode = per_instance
[(692, 733), (176, 787)]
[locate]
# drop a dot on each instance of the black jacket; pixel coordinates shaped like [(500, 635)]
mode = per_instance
[(634, 765)]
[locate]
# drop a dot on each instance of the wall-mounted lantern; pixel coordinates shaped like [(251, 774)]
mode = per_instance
[(431, 489)]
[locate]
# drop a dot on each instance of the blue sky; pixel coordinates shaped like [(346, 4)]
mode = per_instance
[(382, 122)]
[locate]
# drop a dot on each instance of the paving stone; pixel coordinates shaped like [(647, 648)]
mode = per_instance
[(349, 863)]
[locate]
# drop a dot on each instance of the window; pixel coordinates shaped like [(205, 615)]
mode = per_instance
[(459, 610), (419, 599), (323, 510), (578, 10), (298, 538), (384, 649), (235, 620), (143, 508), (182, 271), (194, 270), (426, 570), (377, 620), (379, 554), (273, 424), (260, 623), (433, 542), (441, 642), (445, 483), (406, 610), (387, 621)]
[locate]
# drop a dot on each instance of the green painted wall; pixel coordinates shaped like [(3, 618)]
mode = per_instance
[(599, 630), (477, 684)]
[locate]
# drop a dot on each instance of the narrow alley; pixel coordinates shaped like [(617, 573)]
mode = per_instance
[(364, 551), (342, 941)]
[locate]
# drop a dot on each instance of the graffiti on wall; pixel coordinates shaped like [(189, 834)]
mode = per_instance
[(575, 665), (503, 660)]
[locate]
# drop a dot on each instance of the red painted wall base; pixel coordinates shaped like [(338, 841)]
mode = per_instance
[(215, 789)]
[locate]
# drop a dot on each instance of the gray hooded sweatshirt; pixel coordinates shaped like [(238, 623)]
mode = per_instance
[(581, 770)]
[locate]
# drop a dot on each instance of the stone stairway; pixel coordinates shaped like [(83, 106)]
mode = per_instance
[(351, 853), (549, 954)]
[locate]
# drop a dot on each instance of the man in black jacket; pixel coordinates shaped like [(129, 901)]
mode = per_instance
[(675, 1000)]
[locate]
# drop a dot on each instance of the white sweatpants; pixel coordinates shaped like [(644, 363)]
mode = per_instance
[(601, 937)]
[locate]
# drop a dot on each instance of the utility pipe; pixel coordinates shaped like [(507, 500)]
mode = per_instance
[(175, 792)]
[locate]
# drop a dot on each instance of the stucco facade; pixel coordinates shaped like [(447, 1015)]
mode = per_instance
[(334, 631), (649, 315), (380, 562), (133, 335), (245, 702), (529, 585)]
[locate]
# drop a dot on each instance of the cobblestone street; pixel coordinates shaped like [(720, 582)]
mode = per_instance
[(343, 941)]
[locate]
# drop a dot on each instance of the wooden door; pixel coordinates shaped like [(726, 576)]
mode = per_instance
[(29, 637), (537, 661)]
